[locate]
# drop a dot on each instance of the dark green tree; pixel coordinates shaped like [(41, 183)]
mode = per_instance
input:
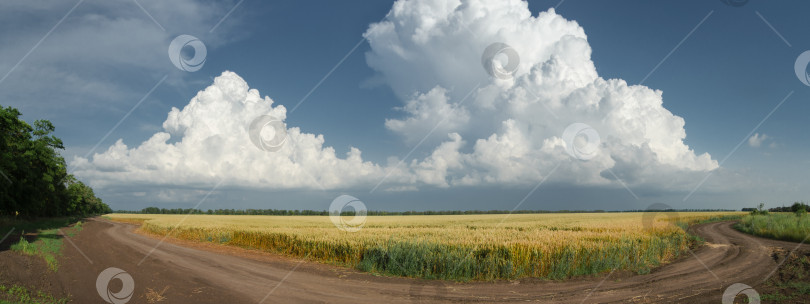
[(33, 176)]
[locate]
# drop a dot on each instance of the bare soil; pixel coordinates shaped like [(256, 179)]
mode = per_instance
[(176, 271)]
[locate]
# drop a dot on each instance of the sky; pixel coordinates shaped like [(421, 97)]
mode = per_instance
[(418, 105)]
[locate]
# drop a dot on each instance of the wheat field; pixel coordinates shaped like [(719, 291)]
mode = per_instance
[(454, 247)]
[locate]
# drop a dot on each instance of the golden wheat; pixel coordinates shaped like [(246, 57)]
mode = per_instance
[(458, 247)]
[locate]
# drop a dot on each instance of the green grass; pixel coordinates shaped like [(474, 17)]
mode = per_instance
[(47, 244), (74, 230), (791, 283), (9, 223), (440, 261), (775, 297), (793, 289), (717, 218), (20, 295), (780, 226)]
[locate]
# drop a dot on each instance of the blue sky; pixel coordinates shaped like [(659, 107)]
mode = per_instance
[(734, 68)]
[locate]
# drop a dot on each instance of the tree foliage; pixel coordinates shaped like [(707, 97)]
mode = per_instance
[(796, 207), (33, 176)]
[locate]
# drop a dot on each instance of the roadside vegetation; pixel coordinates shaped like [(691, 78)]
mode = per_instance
[(37, 195), (15, 294), (33, 176), (793, 225), (40, 238), (791, 284), (47, 241), (454, 247)]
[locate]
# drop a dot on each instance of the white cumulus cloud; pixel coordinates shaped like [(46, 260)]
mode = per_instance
[(429, 113), (515, 125), (491, 131), (208, 141), (756, 140)]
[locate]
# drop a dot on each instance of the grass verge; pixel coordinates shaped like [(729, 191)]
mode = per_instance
[(780, 226), (791, 284), (47, 241), (20, 295)]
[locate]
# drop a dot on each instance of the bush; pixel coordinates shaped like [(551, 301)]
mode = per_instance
[(760, 210)]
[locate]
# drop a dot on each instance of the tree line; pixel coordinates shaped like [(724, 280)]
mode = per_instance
[(33, 175), (796, 207)]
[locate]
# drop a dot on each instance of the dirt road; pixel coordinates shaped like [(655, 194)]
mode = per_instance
[(199, 273)]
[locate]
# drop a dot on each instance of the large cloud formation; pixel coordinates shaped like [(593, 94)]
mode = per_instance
[(516, 125), (213, 144), (492, 131)]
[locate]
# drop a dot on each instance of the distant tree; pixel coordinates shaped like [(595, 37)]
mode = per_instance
[(760, 210), (799, 209), (82, 200), (793, 208)]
